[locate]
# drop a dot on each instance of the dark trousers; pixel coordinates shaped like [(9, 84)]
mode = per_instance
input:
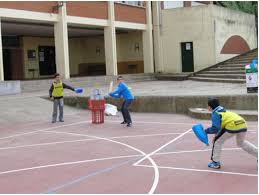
[(125, 111)]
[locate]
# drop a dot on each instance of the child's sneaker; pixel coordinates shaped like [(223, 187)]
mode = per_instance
[(214, 165)]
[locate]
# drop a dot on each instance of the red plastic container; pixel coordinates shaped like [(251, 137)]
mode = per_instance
[(97, 107)]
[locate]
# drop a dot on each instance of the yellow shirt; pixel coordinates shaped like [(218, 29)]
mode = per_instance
[(58, 90), (232, 121)]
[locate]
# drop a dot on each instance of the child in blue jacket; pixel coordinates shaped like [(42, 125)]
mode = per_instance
[(124, 92), (225, 125)]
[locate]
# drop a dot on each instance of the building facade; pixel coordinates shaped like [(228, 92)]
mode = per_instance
[(122, 37), (190, 36), (74, 39)]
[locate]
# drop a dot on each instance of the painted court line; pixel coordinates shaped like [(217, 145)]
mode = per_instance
[(103, 159), (81, 140), (118, 137), (152, 122), (166, 123), (44, 129), (45, 144), (66, 163), (202, 170), (85, 177), (193, 151), (156, 171), (173, 140)]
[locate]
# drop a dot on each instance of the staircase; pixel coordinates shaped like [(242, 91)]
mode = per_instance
[(88, 81), (229, 71)]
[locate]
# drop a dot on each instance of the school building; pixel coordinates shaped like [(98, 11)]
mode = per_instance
[(77, 38)]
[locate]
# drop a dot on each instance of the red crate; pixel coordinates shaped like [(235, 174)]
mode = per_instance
[(97, 107)]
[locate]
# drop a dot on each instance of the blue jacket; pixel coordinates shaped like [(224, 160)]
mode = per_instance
[(122, 91), (216, 121)]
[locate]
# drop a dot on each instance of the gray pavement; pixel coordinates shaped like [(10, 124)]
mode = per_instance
[(31, 107)]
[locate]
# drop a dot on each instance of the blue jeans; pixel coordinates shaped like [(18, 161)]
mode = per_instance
[(125, 111)]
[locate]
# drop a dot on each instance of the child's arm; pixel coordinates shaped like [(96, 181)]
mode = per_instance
[(51, 90), (116, 93), (68, 87), (216, 124)]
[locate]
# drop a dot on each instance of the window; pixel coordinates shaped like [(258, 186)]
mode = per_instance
[(134, 3), (173, 4)]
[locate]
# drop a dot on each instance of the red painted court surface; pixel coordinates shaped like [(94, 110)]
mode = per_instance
[(159, 154)]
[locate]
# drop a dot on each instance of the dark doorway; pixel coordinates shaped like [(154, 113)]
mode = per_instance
[(7, 64), (47, 61), (187, 57)]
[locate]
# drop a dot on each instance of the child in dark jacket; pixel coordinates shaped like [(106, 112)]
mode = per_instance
[(123, 91), (56, 93), (225, 125)]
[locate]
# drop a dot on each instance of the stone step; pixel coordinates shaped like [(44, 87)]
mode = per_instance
[(251, 56), (216, 71), (37, 85), (219, 80), (226, 76), (202, 113), (172, 77), (232, 65), (221, 68), (239, 61)]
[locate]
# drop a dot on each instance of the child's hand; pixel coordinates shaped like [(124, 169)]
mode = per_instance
[(52, 98)]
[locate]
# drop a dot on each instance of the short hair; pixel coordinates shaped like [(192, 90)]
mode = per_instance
[(56, 75), (119, 78), (213, 102)]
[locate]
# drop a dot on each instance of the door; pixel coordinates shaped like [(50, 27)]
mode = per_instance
[(187, 57), (47, 60), (7, 64)]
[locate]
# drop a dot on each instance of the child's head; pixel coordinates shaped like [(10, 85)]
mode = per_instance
[(57, 77), (213, 103), (119, 79)]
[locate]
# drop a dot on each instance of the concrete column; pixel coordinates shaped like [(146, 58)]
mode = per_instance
[(148, 42), (61, 43), (110, 42), (157, 25), (1, 56)]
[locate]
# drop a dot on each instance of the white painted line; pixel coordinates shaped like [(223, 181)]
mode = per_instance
[(44, 129), (144, 135), (202, 170), (156, 171), (118, 137), (156, 176), (192, 151), (45, 144), (152, 122), (173, 140), (65, 163), (166, 123), (80, 140)]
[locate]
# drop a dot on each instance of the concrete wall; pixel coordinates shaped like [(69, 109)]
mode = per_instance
[(127, 54), (208, 27), (85, 50), (32, 43), (189, 24), (228, 23), (89, 50)]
